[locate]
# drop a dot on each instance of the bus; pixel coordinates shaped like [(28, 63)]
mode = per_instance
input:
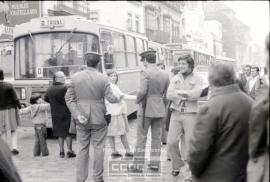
[(45, 45), (202, 59), (6, 58), (164, 54)]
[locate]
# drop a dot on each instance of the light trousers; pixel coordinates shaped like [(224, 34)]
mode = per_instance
[(139, 155), (97, 136), (181, 126)]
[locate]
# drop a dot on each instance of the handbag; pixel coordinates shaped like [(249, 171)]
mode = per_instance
[(108, 118)]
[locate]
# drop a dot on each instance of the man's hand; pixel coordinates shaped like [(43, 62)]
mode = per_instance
[(182, 93), (82, 119)]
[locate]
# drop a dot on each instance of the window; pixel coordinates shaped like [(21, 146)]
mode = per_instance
[(140, 46), (151, 22), (119, 56), (129, 22), (44, 54), (94, 15), (131, 52), (107, 49), (166, 24), (137, 24)]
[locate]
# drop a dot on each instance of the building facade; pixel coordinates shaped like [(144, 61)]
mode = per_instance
[(236, 40), (126, 15), (160, 21)]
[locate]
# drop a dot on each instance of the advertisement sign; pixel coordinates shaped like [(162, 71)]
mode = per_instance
[(17, 12)]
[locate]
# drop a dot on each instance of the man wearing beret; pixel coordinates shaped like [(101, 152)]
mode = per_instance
[(85, 100), (153, 86)]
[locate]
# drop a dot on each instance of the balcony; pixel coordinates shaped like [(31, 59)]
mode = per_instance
[(158, 36)]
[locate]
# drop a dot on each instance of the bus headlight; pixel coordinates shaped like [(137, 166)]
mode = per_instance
[(23, 93)]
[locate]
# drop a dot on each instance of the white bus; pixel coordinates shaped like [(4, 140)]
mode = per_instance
[(202, 59), (6, 58), (46, 45), (164, 54)]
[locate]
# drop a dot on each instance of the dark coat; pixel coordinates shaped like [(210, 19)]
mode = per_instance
[(61, 116), (258, 128), (219, 144), (8, 97), (8, 171)]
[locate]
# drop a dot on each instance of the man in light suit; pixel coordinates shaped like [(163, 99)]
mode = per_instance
[(153, 86), (85, 100)]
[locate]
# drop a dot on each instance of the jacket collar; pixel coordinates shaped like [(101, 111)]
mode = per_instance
[(224, 90), (152, 66), (181, 76), (91, 69)]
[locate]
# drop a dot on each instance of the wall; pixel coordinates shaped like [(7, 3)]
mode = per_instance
[(115, 13)]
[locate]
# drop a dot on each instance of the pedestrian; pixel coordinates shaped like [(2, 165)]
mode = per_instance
[(258, 165), (164, 132), (119, 123), (184, 91), (153, 86), (254, 83), (219, 140), (38, 112), (8, 171), (10, 120), (245, 77), (61, 116), (85, 99)]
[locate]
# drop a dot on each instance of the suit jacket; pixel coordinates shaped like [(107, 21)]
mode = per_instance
[(85, 96), (153, 86), (219, 143)]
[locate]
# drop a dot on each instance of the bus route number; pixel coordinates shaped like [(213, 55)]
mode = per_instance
[(39, 72)]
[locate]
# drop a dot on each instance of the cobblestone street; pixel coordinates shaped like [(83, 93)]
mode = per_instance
[(56, 169)]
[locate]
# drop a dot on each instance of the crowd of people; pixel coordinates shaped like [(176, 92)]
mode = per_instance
[(224, 140)]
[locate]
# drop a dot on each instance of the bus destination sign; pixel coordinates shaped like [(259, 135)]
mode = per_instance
[(51, 23)]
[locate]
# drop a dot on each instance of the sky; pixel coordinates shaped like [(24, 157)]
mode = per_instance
[(255, 14)]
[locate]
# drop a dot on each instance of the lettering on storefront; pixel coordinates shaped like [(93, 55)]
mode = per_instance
[(18, 12), (22, 9)]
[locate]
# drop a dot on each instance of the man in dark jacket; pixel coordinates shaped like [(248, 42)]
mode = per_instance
[(219, 143)]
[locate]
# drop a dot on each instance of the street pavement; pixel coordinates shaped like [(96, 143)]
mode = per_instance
[(52, 168)]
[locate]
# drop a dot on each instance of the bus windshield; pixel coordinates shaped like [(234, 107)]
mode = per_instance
[(39, 56)]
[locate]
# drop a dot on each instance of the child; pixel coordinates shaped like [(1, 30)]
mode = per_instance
[(119, 122), (37, 111)]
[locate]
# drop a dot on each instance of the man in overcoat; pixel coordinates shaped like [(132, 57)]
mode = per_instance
[(218, 149)]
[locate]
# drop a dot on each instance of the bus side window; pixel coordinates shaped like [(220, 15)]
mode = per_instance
[(131, 52), (119, 51), (107, 49), (139, 46)]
